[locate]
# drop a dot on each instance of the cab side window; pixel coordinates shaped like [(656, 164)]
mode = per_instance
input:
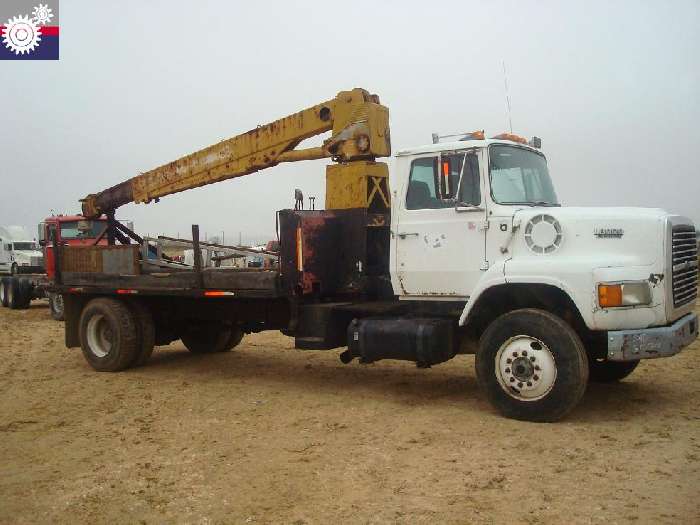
[(51, 232), (422, 186), (434, 182), (469, 190)]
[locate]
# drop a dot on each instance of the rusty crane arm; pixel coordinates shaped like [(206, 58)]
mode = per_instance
[(360, 133)]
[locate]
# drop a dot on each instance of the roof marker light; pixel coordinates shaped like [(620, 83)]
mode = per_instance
[(511, 137)]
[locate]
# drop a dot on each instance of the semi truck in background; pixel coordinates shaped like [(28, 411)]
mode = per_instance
[(19, 253), (466, 250), (29, 265)]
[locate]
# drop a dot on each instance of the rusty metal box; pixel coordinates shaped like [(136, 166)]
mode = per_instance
[(114, 260)]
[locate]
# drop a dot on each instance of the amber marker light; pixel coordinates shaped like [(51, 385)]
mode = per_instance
[(609, 295)]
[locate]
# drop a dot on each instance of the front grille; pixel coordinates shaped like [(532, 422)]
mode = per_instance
[(684, 250)]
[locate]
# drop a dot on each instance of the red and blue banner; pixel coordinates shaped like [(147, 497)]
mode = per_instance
[(29, 30)]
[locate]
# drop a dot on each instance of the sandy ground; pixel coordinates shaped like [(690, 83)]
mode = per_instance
[(267, 434)]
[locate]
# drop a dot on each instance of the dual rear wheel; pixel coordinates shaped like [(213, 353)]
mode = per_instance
[(115, 335), (15, 293)]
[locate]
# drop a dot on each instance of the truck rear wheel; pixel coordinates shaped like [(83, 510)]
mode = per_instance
[(18, 293), (146, 333), (211, 338), (3, 291), (532, 366), (602, 371), (108, 335), (56, 306), (26, 290)]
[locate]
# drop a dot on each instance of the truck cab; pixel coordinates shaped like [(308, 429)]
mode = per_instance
[(70, 230), (478, 217), (18, 253), (477, 224)]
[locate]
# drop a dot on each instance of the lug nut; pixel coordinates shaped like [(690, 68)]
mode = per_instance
[(525, 353), (529, 383), (536, 377), (515, 354), (537, 367), (507, 370), (509, 360), (512, 379), (532, 358), (520, 385)]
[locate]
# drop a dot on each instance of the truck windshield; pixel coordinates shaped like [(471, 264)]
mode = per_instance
[(520, 176), (24, 246), (88, 230)]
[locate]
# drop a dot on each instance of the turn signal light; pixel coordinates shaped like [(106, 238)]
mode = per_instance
[(609, 295)]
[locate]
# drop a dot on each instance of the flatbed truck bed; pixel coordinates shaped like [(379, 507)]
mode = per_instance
[(248, 283)]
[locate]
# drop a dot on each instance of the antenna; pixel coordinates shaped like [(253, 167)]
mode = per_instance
[(505, 83)]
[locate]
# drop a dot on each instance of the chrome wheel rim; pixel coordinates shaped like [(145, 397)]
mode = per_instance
[(525, 368), (99, 335)]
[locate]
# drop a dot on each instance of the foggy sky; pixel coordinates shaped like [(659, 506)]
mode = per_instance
[(611, 87)]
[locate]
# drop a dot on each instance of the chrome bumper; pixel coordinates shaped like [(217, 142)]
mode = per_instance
[(660, 341)]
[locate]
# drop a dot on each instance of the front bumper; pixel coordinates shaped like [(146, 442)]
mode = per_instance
[(660, 341)]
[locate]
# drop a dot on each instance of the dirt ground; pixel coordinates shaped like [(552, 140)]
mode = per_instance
[(267, 434)]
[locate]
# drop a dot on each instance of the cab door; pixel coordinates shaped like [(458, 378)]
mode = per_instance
[(4, 256), (440, 226)]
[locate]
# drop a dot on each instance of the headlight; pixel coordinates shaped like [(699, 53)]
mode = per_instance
[(635, 293)]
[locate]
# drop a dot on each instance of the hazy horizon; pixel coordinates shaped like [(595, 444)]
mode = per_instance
[(610, 87)]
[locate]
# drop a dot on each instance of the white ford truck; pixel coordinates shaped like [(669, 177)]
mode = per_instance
[(465, 249), (481, 222)]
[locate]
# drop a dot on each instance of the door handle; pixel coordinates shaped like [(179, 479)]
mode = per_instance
[(404, 235)]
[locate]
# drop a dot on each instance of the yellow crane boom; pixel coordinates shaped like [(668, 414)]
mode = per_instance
[(360, 133)]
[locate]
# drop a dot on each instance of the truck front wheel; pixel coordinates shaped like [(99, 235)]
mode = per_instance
[(532, 365), (108, 335), (211, 338), (56, 306), (602, 371)]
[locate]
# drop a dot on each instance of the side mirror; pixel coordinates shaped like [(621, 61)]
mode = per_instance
[(40, 234)]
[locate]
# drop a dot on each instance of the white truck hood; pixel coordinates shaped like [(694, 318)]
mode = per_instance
[(619, 236), (26, 255)]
